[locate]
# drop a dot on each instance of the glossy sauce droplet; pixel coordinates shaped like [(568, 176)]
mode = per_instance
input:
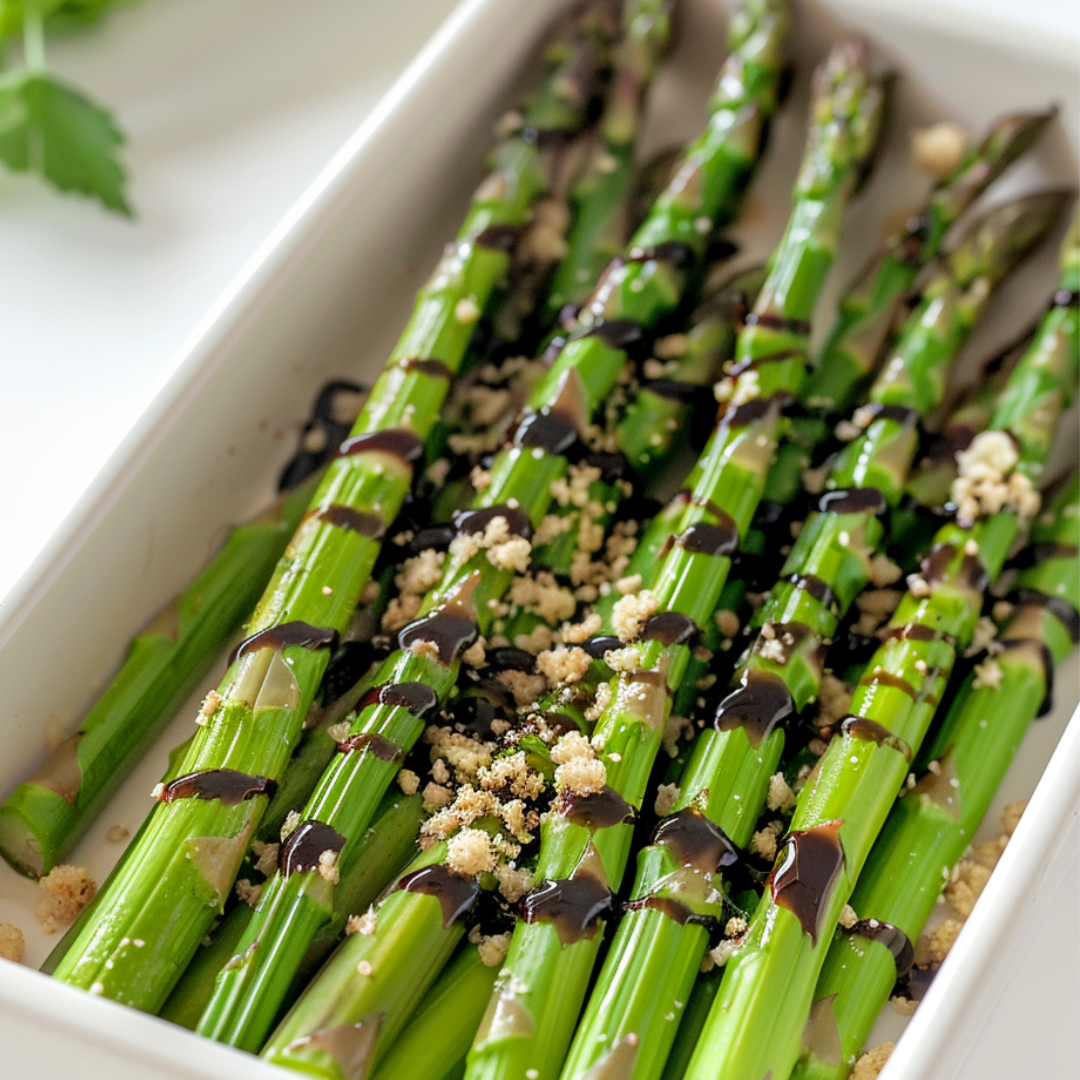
[(761, 703), (807, 869), (574, 906), (600, 810), (301, 849), (456, 893), (298, 633), (223, 785)]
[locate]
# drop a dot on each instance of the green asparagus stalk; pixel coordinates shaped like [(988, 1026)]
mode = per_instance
[(661, 941), (854, 343), (599, 201), (582, 377), (765, 998), (548, 968), (337, 999), (44, 816), (384, 850), (926, 835), (435, 1042), (169, 890)]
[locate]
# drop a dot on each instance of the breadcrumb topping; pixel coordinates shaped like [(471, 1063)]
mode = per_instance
[(780, 796), (938, 149), (12, 943), (987, 483), (67, 891), (469, 851), (328, 868), (563, 666), (408, 781), (362, 924), (834, 700), (872, 1062), (666, 797), (630, 614)]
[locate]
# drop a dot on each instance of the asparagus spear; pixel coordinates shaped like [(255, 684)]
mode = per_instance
[(767, 991), (337, 998), (867, 310), (926, 835), (44, 816), (661, 941), (634, 295), (599, 201), (384, 849), (434, 1043), (548, 965), (169, 890)]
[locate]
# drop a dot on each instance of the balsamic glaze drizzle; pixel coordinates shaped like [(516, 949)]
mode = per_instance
[(298, 633), (227, 786), (302, 848)]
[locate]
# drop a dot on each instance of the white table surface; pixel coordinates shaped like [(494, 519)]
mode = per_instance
[(232, 107)]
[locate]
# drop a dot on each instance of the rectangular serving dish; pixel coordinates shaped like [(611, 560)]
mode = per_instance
[(326, 296)]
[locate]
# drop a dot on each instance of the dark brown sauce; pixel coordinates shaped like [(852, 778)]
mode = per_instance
[(686, 393), (912, 632), (451, 627), (738, 416), (705, 538), (225, 785), (853, 501), (476, 521), (574, 906), (600, 644), (547, 431), (613, 465), (757, 706), (298, 633), (919, 979), (810, 863), (859, 727), (666, 251), (673, 909), (381, 747), (300, 851), (755, 362), (618, 333), (437, 537), (818, 588), (973, 574), (1047, 660), (768, 321), (892, 937), (435, 368), (670, 628), (600, 810), (345, 517), (1065, 612), (696, 842), (419, 699), (401, 443), (936, 564), (498, 237), (881, 677), (455, 892)]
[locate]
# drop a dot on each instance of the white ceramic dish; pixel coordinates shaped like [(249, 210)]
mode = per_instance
[(326, 295)]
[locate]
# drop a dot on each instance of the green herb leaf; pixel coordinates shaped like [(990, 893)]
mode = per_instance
[(53, 130)]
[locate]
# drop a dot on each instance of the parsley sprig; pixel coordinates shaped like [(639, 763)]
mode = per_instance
[(48, 127)]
